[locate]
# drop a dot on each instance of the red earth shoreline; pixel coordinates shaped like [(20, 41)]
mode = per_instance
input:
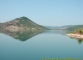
[(78, 36)]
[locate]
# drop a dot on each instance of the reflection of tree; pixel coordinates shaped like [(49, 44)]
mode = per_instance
[(72, 38), (80, 41)]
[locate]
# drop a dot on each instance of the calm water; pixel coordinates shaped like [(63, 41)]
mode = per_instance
[(50, 44)]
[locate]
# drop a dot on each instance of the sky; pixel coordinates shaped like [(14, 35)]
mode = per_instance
[(43, 12)]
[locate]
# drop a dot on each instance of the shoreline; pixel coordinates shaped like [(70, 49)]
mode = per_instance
[(78, 36)]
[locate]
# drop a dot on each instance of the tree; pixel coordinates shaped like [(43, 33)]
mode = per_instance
[(80, 30)]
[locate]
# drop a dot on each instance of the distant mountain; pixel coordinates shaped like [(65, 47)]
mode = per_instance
[(20, 24), (74, 27), (52, 26), (57, 27), (66, 27)]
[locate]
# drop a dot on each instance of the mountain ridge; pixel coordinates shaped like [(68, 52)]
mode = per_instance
[(20, 24)]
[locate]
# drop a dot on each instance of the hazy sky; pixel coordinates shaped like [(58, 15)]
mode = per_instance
[(43, 12)]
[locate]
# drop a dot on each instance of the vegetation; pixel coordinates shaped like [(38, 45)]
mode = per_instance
[(71, 32), (25, 22), (78, 31)]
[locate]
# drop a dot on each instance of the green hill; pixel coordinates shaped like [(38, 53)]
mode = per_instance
[(20, 24)]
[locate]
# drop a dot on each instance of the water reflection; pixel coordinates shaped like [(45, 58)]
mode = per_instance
[(63, 32), (21, 35), (79, 40), (24, 35)]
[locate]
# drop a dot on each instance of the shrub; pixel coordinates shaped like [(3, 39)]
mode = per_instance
[(71, 32), (80, 31)]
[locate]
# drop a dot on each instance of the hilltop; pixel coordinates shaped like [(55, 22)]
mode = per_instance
[(20, 24)]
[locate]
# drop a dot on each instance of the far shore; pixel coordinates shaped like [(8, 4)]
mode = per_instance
[(78, 36)]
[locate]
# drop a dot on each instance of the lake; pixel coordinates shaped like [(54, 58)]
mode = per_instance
[(48, 44)]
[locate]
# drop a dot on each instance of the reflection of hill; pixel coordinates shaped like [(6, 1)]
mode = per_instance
[(56, 32), (22, 35), (21, 28)]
